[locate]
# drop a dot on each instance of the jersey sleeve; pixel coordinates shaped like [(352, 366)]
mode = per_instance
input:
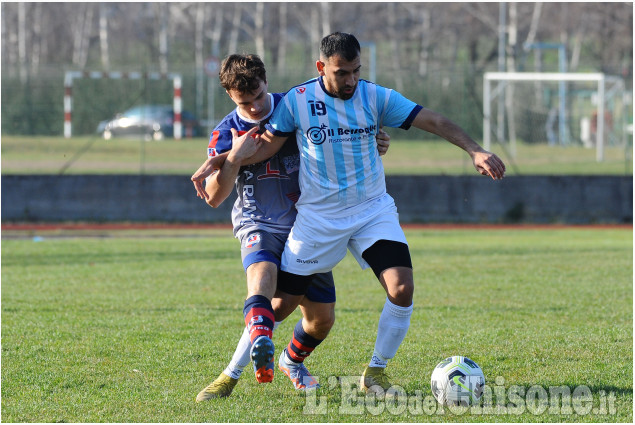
[(220, 141), (282, 122), (398, 111)]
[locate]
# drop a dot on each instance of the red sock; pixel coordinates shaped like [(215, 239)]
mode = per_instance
[(259, 317), (302, 344)]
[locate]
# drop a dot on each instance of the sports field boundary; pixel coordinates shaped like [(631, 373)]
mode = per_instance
[(419, 199), (54, 227)]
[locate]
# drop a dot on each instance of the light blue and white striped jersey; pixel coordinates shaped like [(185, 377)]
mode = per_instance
[(340, 168)]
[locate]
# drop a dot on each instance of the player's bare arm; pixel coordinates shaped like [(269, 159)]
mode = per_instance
[(220, 185), (208, 167), (268, 146), (250, 148), (217, 189), (486, 163)]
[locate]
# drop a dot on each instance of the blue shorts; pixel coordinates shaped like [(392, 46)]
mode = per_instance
[(258, 245)]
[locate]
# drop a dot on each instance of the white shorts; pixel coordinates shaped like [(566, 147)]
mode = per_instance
[(317, 244)]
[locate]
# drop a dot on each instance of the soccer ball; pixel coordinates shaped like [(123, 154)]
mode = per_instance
[(457, 381)]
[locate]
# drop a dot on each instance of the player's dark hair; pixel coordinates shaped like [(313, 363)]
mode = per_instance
[(341, 44), (242, 73)]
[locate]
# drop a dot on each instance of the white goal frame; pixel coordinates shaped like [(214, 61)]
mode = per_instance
[(503, 78), (73, 75)]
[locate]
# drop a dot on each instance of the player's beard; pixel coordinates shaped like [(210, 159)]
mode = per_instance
[(344, 95)]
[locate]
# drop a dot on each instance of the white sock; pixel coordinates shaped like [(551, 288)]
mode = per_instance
[(288, 360), (241, 357), (393, 326)]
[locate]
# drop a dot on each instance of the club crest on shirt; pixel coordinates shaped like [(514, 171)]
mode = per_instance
[(252, 240), (213, 140)]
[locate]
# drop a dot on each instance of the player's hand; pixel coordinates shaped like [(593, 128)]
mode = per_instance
[(488, 164), (244, 146), (207, 169), (383, 141)]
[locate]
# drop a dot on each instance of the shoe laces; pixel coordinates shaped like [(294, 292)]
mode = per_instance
[(217, 385), (301, 373)]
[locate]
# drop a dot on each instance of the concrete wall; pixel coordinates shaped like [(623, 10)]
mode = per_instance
[(420, 199)]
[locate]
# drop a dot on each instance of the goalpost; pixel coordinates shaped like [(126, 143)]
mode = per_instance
[(503, 81), (72, 75)]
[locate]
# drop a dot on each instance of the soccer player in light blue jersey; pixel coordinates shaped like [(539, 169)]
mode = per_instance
[(343, 202), (263, 215)]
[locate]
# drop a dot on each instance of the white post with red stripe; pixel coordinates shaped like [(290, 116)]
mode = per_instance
[(177, 108), (68, 101), (68, 93)]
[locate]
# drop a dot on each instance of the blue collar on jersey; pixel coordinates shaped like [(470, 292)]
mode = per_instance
[(324, 87)]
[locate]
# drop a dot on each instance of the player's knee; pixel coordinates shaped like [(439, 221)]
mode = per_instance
[(320, 328), (319, 322), (402, 293), (326, 322)]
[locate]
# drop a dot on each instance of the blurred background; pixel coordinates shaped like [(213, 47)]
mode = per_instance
[(117, 65), (436, 53)]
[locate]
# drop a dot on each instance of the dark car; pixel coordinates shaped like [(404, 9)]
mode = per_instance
[(152, 122)]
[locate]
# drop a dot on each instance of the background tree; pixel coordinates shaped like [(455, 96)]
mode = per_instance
[(436, 51)]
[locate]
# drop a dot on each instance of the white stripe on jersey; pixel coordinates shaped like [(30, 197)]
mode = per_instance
[(341, 168), (310, 160)]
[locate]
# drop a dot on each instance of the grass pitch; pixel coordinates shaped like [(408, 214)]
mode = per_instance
[(92, 155), (129, 329)]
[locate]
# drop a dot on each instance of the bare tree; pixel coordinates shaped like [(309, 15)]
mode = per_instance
[(395, 46), (259, 35), (414, 37), (36, 38), (426, 35), (483, 13), (235, 28), (81, 34), (199, 55), (314, 36), (163, 37), (103, 37), (7, 45), (257, 32), (535, 20), (326, 17), (282, 38), (217, 29), (22, 40), (512, 48)]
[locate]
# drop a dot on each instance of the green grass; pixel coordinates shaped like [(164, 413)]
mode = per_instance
[(91, 155), (130, 329)]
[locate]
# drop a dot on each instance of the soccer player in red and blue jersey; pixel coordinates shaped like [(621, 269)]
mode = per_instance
[(263, 215)]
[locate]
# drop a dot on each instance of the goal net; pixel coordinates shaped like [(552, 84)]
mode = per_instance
[(102, 92), (586, 109)]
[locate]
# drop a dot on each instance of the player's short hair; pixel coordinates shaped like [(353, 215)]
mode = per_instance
[(242, 73), (341, 44)]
